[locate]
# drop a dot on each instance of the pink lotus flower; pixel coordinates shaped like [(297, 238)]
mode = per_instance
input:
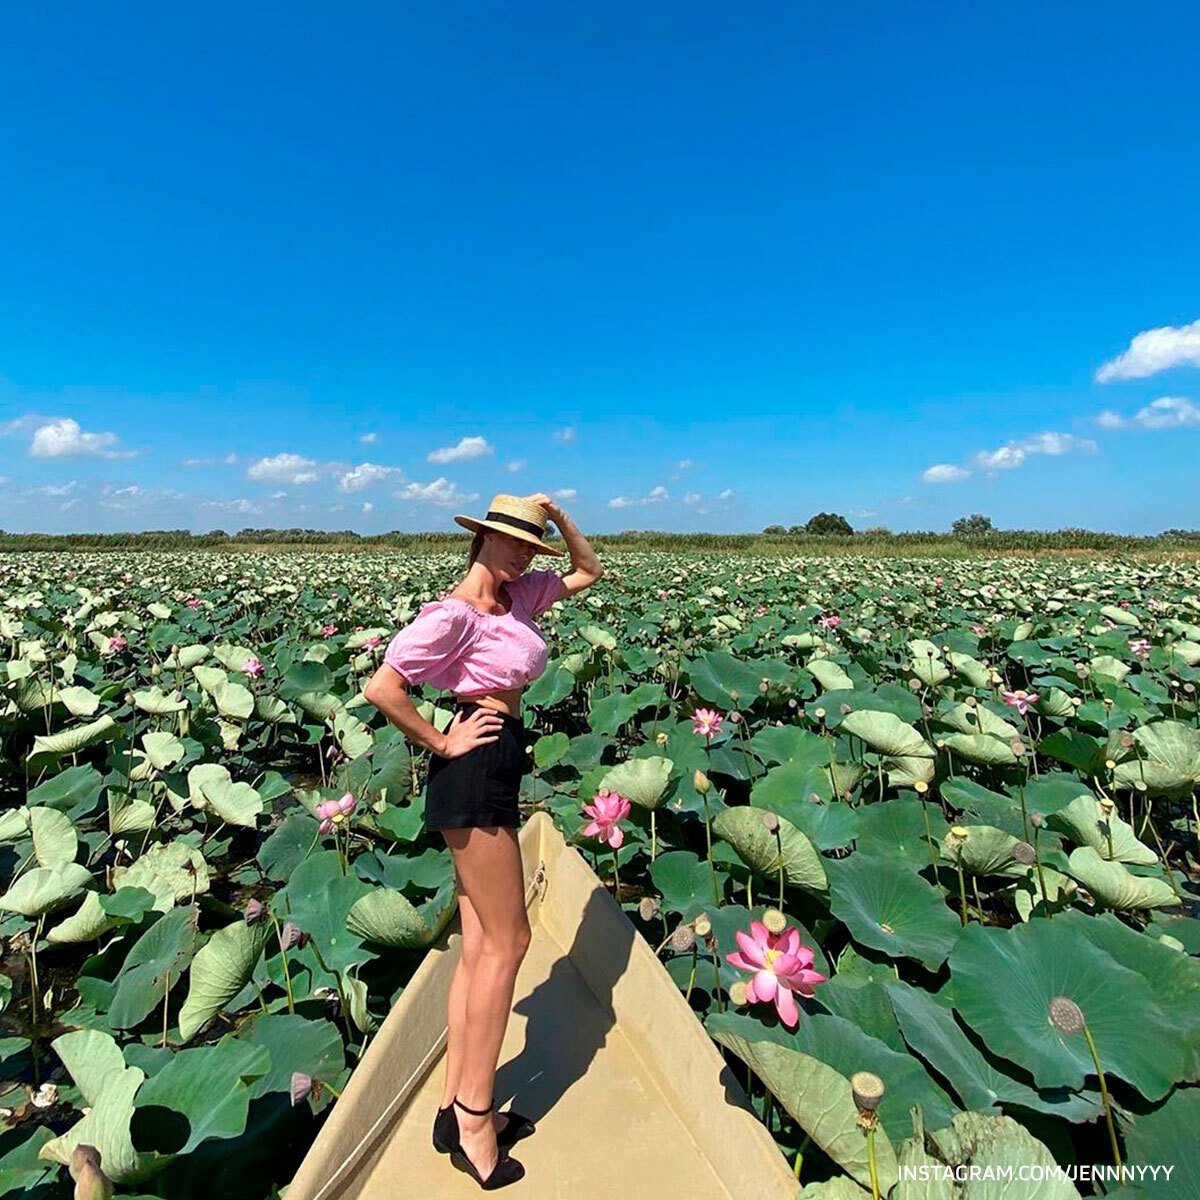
[(830, 622), (252, 667), (372, 642), (334, 812), (606, 810), (1154, 605), (706, 722), (938, 581), (192, 602), (782, 968), (1140, 647), (1020, 700), (979, 630), (328, 630), (663, 593), (117, 644), (761, 610)]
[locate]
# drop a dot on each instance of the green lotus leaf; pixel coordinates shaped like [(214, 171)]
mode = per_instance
[(79, 702), (929, 669), (153, 966), (128, 816), (598, 637), (995, 1146), (388, 918), (1084, 823), (1026, 896), (1186, 651), (642, 780), (1047, 959), (987, 850), (895, 829), (233, 658), (1166, 1135), (886, 906), (830, 675), (44, 889), (162, 749), (14, 824), (1054, 702), (312, 1047), (907, 756), (816, 1097), (1106, 664), (72, 741), (979, 719), (352, 735), (220, 969), (156, 702), (1120, 616), (971, 669), (767, 853), (171, 871), (1173, 762), (1115, 887), (684, 881), (107, 1085), (54, 837), (88, 922), (981, 748)]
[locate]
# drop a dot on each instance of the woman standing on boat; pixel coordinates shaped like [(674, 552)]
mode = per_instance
[(480, 641)]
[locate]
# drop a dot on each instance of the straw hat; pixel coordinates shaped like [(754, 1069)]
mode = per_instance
[(515, 516)]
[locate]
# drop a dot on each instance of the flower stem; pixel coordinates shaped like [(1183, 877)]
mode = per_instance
[(1104, 1096)]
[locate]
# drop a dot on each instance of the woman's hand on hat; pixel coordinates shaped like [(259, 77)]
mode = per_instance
[(481, 727), (552, 509)]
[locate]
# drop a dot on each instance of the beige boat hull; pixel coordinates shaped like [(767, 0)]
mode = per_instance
[(630, 1096)]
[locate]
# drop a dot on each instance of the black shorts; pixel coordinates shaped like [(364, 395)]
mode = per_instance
[(481, 787)]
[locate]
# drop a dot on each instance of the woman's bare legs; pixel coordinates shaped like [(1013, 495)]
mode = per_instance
[(495, 938)]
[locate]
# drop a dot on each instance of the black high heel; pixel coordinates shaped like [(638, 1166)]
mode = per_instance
[(507, 1170), (445, 1129)]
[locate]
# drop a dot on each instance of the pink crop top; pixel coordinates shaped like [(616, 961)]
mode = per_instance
[(453, 646)]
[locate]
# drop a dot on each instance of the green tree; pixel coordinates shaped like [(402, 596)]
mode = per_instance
[(828, 523), (973, 525)]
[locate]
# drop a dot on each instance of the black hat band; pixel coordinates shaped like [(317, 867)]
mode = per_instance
[(515, 522)]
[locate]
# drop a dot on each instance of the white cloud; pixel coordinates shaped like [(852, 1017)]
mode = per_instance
[(1014, 454), (468, 447), (1167, 412), (278, 496), (566, 434), (652, 497), (945, 473), (241, 505), (368, 507), (691, 497), (57, 489), (284, 468), (368, 439), (727, 494), (229, 460), (441, 491), (1153, 351), (683, 464), (517, 464), (365, 475), (63, 438), (1003, 459)]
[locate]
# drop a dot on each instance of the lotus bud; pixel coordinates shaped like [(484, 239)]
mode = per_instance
[(700, 782), (735, 717), (1037, 819), (1066, 1016), (774, 920), (914, 684), (648, 908), (155, 670), (91, 1183), (737, 993), (770, 822), (734, 695), (814, 798), (660, 739), (301, 1086), (1024, 853), (290, 935), (254, 910), (683, 939)]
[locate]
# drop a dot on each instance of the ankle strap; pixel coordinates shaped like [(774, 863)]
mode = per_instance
[(476, 1112)]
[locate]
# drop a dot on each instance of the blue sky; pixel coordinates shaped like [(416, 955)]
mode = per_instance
[(690, 266)]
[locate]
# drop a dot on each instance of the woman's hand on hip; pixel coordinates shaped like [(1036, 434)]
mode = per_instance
[(480, 728)]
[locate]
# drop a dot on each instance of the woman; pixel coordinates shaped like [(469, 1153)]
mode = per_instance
[(480, 641)]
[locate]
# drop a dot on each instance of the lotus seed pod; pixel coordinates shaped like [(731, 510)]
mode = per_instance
[(737, 993), (920, 787), (700, 782), (1037, 819), (1139, 786), (1076, 701), (1024, 853), (971, 701), (846, 708), (660, 739), (770, 821), (774, 920), (735, 717), (1066, 1016), (764, 687), (914, 684), (648, 908), (1107, 702), (683, 939), (819, 713), (868, 1090), (1106, 806), (1189, 688), (792, 702), (958, 836), (702, 925), (1110, 764), (1017, 747)]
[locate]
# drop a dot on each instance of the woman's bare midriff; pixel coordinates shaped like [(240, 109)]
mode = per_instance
[(509, 701)]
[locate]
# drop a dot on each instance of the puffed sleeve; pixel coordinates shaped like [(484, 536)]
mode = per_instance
[(435, 639), (539, 590)]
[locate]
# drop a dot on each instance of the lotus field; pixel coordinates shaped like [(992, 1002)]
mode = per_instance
[(918, 842)]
